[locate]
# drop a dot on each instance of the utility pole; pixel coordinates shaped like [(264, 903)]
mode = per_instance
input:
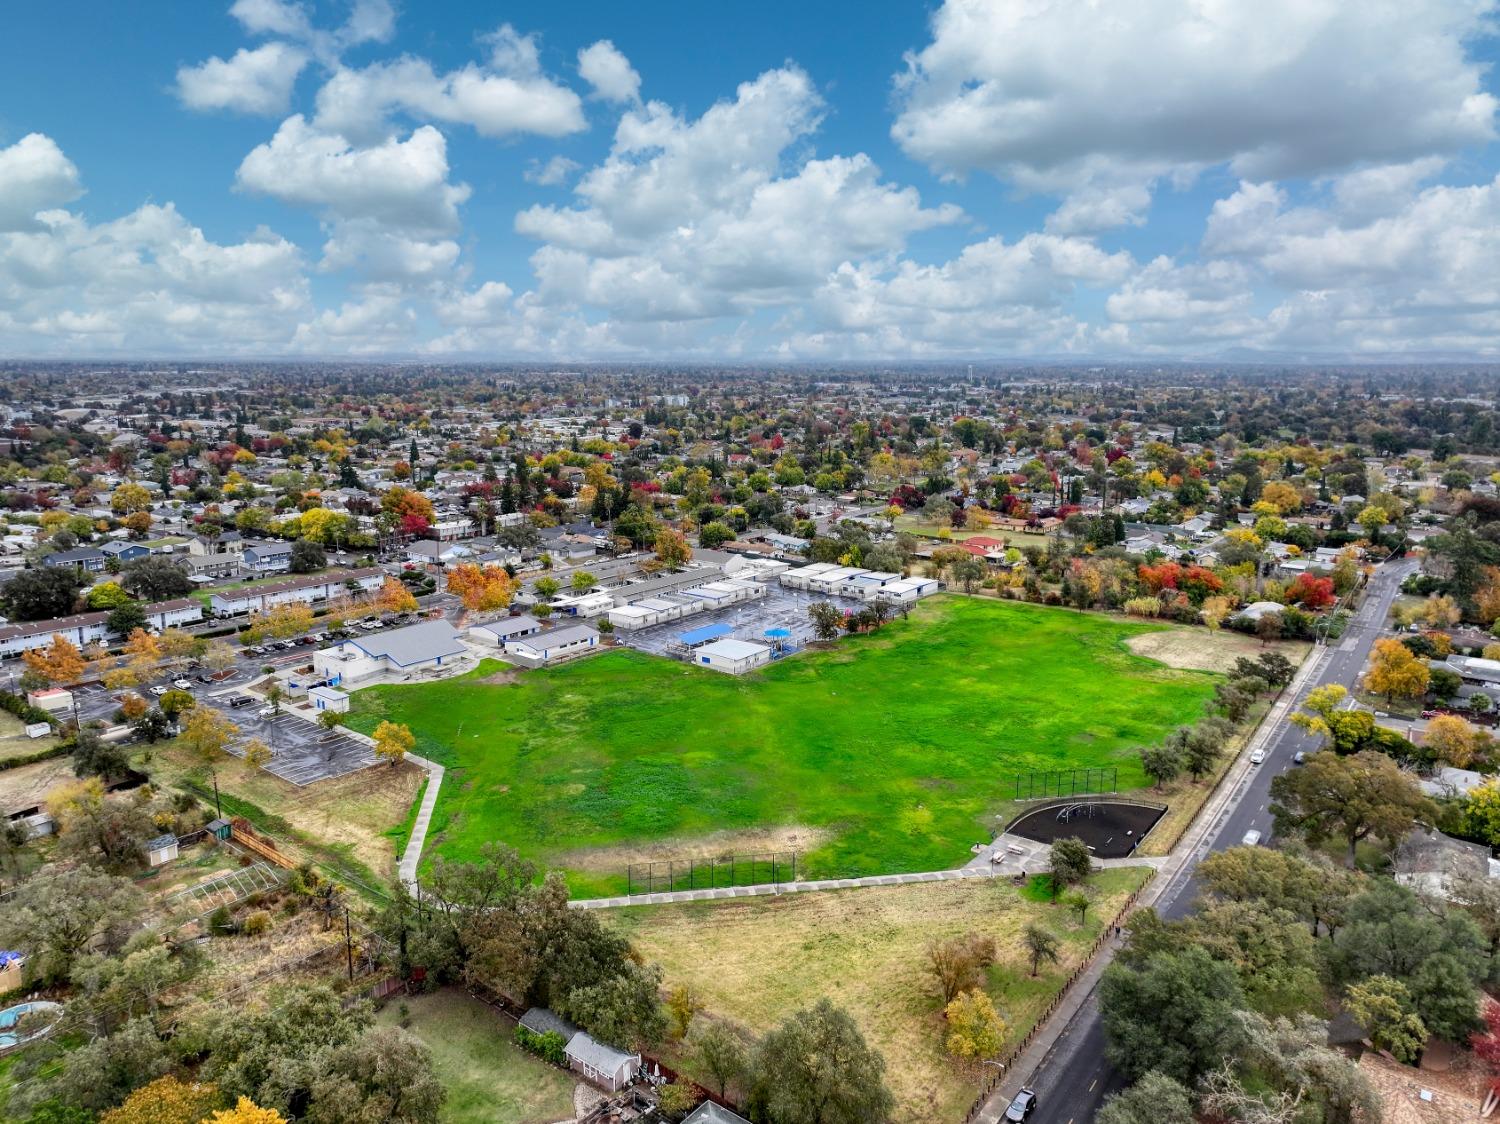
[(348, 945), (218, 811)]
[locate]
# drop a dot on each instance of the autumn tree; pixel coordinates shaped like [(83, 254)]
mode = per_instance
[(1319, 704), (1351, 798), (1395, 672), (128, 498), (246, 1111), (1215, 611), (60, 664), (958, 963), (257, 754), (1451, 740), (975, 1029), (1441, 611), (167, 1100), (109, 832), (482, 589), (393, 597), (672, 549), (393, 742)]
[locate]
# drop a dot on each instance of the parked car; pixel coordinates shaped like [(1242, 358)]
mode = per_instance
[(241, 700), (1257, 757), (205, 678), (266, 712), (1022, 1107), (1251, 839), (183, 684), (159, 690)]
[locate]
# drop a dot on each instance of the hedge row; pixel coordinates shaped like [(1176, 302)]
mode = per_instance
[(23, 710), (40, 755), (549, 1046)]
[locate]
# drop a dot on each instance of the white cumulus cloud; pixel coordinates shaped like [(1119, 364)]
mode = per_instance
[(608, 71), (34, 175), (252, 81), (1103, 95)]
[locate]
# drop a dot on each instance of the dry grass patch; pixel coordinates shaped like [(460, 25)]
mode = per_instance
[(28, 785), (700, 849), (1197, 649), (754, 961)]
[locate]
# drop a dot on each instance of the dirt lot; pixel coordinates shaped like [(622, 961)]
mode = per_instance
[(754, 961), (28, 785), (1197, 649), (759, 841)]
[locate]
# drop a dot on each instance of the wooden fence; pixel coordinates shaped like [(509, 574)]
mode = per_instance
[(993, 1080), (251, 840)]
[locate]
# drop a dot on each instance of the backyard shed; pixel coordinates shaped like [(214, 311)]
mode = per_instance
[(161, 850)]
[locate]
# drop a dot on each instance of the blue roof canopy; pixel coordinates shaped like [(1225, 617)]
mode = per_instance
[(705, 634)]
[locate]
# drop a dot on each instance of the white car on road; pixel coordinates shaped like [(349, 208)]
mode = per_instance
[(1257, 757)]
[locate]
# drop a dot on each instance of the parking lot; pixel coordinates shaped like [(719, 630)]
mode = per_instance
[(781, 608), (301, 751)]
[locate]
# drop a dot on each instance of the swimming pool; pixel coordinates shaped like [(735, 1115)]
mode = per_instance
[(12, 1015)]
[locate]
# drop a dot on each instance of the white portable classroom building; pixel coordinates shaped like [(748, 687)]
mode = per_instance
[(734, 657)]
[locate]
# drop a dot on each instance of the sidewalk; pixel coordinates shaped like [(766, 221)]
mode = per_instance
[(1177, 866)]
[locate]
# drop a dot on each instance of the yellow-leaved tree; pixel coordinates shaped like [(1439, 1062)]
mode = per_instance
[(1396, 672), (167, 1100), (975, 1028), (246, 1111), (393, 742)]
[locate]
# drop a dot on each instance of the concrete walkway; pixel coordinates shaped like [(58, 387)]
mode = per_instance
[(407, 868), (722, 893)]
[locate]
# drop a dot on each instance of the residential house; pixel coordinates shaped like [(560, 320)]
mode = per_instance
[(267, 557), (84, 559), (307, 591), (123, 552)]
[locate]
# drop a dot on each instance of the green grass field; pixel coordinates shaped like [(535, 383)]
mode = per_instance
[(885, 753), (490, 1080)]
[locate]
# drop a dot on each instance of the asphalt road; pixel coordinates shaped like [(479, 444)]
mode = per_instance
[(1075, 1078)]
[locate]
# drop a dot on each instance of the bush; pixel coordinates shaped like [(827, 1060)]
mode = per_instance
[(220, 922), (549, 1047), (256, 923)]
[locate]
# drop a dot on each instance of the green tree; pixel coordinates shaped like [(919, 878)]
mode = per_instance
[(307, 557), (1041, 947), (1383, 1007), (1154, 1099), (62, 910), (1162, 763), (815, 1068), (1068, 863), (1353, 798), (719, 1052), (42, 593), (623, 1010), (383, 1077), (155, 579), (827, 621), (1175, 1013)]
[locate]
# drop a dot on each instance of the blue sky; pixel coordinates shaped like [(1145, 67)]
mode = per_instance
[(1137, 177)]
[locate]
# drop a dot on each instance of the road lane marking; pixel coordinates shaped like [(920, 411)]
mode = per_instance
[(1092, 1083)]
